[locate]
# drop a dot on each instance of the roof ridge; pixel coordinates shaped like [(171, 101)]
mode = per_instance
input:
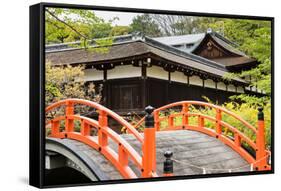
[(140, 37), (178, 35), (185, 54), (224, 38), (92, 41)]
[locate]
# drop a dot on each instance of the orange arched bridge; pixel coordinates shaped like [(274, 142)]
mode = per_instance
[(160, 144)]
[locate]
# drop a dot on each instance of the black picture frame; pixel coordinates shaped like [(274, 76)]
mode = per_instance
[(37, 92)]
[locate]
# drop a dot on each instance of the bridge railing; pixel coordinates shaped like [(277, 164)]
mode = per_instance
[(125, 151), (259, 161)]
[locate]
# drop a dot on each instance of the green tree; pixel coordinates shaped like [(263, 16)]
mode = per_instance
[(171, 25), (120, 30), (68, 25), (145, 25)]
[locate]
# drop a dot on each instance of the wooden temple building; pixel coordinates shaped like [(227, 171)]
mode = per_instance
[(137, 71)]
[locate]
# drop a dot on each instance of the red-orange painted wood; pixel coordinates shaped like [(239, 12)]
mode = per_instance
[(260, 162), (125, 152), (147, 164)]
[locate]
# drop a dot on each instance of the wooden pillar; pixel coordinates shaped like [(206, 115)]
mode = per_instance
[(169, 77), (105, 89), (188, 81), (144, 85), (203, 83), (167, 92), (143, 71), (104, 75)]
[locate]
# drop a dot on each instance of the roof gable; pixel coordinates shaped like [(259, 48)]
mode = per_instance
[(214, 46)]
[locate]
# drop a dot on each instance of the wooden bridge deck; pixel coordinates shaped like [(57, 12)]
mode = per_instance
[(189, 147)]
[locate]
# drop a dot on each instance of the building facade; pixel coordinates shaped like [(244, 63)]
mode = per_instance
[(137, 71)]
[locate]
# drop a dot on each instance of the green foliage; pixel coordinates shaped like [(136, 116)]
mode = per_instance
[(145, 25), (68, 82), (120, 30), (68, 25)]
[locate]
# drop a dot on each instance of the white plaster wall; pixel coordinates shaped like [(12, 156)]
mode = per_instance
[(254, 88), (221, 86), (93, 75), (210, 83), (231, 88), (240, 89), (195, 80), (178, 77), (157, 72), (126, 71)]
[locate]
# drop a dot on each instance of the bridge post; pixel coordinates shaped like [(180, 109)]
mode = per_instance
[(260, 142), (185, 116), (200, 121), (55, 128), (218, 119), (69, 122), (168, 164), (149, 145), (102, 137), (171, 122), (156, 120)]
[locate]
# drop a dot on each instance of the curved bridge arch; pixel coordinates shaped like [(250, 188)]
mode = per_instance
[(125, 152), (141, 161), (260, 159)]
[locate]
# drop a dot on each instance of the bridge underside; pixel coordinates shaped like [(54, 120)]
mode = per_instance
[(191, 150)]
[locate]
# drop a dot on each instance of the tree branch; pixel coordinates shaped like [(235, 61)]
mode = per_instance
[(71, 27)]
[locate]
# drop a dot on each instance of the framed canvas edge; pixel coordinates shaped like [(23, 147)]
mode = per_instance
[(37, 93)]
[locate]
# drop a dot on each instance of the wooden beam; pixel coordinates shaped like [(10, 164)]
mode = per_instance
[(104, 75)]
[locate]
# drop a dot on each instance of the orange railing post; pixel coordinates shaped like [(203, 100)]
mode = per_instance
[(218, 120), (156, 120), (237, 139), (260, 142), (85, 128), (171, 122), (123, 156), (149, 145), (102, 137), (168, 164), (55, 128), (69, 122), (184, 115), (201, 121)]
